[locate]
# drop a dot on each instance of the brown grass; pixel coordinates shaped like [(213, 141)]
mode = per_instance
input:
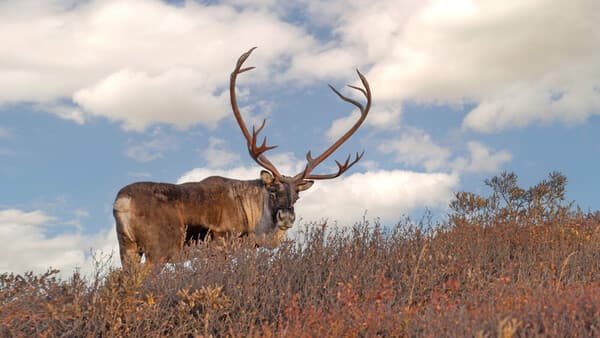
[(502, 276)]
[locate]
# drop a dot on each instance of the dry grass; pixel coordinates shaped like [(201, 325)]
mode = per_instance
[(498, 276)]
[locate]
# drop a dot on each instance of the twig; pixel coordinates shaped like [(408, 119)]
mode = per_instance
[(415, 275), (562, 270)]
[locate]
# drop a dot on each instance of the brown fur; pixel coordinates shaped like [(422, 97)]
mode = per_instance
[(156, 219)]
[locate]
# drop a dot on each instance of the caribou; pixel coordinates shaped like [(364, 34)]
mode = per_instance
[(156, 220)]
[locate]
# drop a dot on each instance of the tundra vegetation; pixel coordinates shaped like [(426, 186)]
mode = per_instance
[(518, 262)]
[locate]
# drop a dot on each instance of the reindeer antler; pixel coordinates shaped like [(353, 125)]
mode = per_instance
[(314, 162), (256, 152)]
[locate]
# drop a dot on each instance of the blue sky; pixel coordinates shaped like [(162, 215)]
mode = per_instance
[(98, 94)]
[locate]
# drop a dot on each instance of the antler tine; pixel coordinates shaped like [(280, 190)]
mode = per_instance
[(256, 152), (263, 147), (347, 99), (312, 163), (341, 168)]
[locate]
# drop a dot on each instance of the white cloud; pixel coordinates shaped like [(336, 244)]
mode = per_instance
[(384, 194), (336, 62), (254, 113), (27, 246), (481, 159), (286, 163), (216, 155), (152, 149), (240, 173), (64, 111), (12, 218), (342, 125), (521, 105), (383, 119), (144, 62), (518, 62), (140, 99), (415, 147), (140, 62)]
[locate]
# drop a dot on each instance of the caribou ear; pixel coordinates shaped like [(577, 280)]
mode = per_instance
[(266, 177), (305, 185)]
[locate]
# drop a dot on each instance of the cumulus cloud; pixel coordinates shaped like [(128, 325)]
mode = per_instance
[(145, 62), (341, 125), (382, 119), (151, 149), (32, 249), (63, 111), (481, 159), (139, 62), (241, 173), (334, 62), (521, 105), (517, 62), (286, 163), (141, 98), (385, 117), (12, 218), (416, 148), (387, 194), (216, 155)]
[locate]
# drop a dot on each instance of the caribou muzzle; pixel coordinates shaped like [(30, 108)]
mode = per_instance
[(285, 218)]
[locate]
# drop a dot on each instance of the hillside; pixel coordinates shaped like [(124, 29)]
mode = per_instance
[(517, 262)]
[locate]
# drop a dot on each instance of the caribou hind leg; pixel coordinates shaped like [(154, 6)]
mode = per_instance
[(129, 250)]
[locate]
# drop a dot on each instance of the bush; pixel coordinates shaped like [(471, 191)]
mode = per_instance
[(541, 203)]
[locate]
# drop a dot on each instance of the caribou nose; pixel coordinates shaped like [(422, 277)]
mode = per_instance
[(285, 218)]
